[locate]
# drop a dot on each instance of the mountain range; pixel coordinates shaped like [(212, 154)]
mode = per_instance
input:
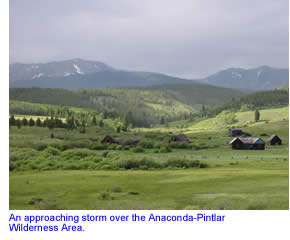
[(255, 79), (78, 73)]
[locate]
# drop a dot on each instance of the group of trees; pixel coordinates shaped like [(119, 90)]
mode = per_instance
[(48, 122)]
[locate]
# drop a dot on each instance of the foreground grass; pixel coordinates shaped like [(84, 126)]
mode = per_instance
[(230, 187)]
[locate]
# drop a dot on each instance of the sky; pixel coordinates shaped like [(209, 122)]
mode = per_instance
[(185, 38)]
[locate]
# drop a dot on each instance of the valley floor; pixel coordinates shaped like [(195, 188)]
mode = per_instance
[(73, 170), (232, 187)]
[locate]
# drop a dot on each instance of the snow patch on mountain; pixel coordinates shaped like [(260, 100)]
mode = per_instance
[(67, 74), (37, 75), (77, 69), (237, 75)]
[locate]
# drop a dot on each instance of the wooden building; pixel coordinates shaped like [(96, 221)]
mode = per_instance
[(247, 143), (235, 132), (274, 140), (110, 140), (179, 139)]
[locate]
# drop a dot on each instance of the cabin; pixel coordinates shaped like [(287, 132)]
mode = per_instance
[(235, 132), (179, 139), (247, 143), (274, 140), (110, 140)]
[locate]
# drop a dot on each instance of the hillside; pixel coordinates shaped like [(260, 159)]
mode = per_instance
[(147, 105), (241, 119), (255, 79)]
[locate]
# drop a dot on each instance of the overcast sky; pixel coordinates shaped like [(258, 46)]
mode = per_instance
[(188, 38)]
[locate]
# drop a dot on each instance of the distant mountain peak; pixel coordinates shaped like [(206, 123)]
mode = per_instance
[(260, 78)]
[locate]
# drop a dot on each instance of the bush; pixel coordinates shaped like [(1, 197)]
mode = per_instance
[(119, 147), (165, 149), (126, 147), (41, 146), (51, 151), (180, 145), (105, 154), (98, 146), (138, 149), (75, 154), (79, 144), (145, 144), (116, 189), (112, 147), (157, 145), (105, 196), (60, 146)]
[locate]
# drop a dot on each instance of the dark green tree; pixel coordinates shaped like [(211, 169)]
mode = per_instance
[(101, 124), (31, 122), (18, 123), (24, 122), (257, 115), (94, 121), (38, 122), (12, 121)]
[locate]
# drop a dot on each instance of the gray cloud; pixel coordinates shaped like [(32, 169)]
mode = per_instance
[(182, 38)]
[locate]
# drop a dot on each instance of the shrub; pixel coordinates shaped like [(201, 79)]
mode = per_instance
[(138, 149), (51, 151), (105, 153), (41, 146), (119, 147), (180, 145), (133, 193), (165, 149), (116, 189), (128, 164), (75, 154), (146, 144), (98, 146), (126, 147), (157, 145), (105, 196), (112, 147), (60, 146), (79, 144)]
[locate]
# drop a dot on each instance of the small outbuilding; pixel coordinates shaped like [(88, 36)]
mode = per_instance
[(247, 143), (179, 139), (274, 140), (235, 132), (110, 140)]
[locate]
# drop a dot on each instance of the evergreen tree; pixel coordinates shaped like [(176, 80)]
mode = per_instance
[(50, 123), (257, 115), (45, 122), (24, 122), (31, 122), (38, 122), (94, 121), (101, 124), (18, 123), (12, 121)]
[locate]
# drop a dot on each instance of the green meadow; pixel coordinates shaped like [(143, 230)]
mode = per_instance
[(74, 170)]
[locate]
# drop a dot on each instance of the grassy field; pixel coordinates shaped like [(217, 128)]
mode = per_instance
[(74, 171), (242, 119), (230, 187)]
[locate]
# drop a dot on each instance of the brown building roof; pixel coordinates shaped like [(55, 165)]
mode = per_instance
[(248, 140)]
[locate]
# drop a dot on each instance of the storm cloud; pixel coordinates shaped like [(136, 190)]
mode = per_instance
[(182, 38)]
